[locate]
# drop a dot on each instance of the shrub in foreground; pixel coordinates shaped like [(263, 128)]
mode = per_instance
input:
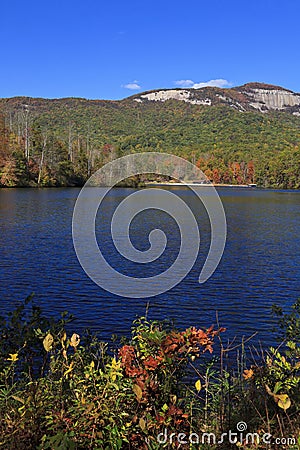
[(65, 391)]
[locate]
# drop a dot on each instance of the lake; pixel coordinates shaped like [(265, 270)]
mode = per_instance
[(260, 265)]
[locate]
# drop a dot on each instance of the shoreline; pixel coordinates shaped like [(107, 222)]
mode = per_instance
[(154, 183), (189, 183)]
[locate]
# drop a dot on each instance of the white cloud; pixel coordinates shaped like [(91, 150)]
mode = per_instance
[(220, 82), (184, 83), (133, 85)]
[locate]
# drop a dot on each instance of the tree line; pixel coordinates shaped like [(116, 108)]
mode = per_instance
[(62, 142)]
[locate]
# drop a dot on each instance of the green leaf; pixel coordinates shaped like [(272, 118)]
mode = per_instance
[(277, 387)]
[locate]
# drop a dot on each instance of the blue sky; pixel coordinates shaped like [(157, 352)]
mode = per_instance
[(113, 49)]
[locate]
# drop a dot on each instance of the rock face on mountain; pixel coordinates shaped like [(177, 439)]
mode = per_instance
[(174, 94), (251, 96), (276, 98)]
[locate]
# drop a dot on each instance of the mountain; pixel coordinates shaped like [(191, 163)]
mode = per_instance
[(249, 97), (244, 134)]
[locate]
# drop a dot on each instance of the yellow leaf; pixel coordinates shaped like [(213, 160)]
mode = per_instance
[(69, 369), (75, 339), (13, 357), (142, 424), (173, 399), (138, 391), (283, 400), (47, 342), (198, 385), (15, 397), (63, 339)]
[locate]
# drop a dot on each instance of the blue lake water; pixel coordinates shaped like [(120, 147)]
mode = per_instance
[(260, 265)]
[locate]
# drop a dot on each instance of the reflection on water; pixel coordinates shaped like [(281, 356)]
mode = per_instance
[(260, 265)]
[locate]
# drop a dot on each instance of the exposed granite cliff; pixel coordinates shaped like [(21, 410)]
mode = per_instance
[(251, 96)]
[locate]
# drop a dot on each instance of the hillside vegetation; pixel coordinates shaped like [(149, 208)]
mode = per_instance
[(63, 141)]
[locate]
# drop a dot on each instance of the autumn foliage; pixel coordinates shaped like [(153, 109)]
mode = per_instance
[(60, 389)]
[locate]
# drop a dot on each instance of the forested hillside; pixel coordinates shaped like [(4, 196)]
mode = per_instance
[(63, 141)]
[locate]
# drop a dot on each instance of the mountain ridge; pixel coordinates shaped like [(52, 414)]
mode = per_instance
[(249, 85), (250, 96)]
